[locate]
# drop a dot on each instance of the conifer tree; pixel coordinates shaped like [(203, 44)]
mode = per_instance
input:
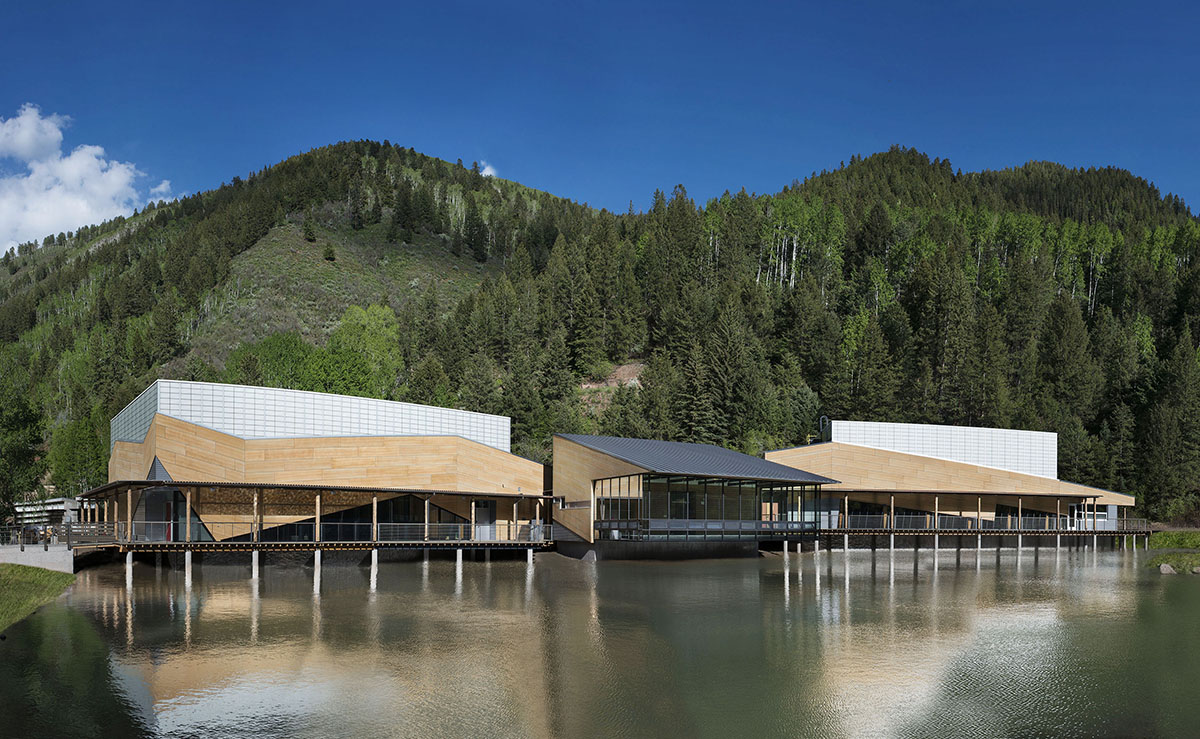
[(358, 205), (475, 235), (429, 384), (660, 381), (696, 417), (310, 228), (587, 328), (480, 387)]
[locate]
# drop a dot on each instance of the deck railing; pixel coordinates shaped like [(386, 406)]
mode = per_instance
[(971, 524), (671, 529), (47, 536), (242, 531)]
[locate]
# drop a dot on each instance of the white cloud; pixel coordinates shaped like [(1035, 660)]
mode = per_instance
[(30, 136), (52, 192), (488, 170), (161, 190)]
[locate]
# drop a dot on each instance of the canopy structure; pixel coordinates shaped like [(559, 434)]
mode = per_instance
[(694, 460)]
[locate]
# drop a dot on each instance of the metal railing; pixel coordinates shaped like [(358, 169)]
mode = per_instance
[(242, 531), (86, 534), (945, 522), (673, 529), (57, 535), (28, 535)]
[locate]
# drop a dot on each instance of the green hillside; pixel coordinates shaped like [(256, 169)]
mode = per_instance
[(893, 288)]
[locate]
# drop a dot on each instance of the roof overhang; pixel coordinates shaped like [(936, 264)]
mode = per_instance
[(864, 469), (695, 460), (118, 486)]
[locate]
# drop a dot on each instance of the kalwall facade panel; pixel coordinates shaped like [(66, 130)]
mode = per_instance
[(273, 413), (132, 423), (1028, 452)]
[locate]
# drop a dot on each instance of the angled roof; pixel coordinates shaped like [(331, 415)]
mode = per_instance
[(697, 460), (866, 469)]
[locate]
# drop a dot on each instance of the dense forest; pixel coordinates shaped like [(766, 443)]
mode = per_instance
[(892, 288)]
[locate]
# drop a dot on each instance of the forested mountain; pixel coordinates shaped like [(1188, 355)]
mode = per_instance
[(893, 288)]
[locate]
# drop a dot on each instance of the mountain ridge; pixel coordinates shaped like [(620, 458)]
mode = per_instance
[(893, 287)]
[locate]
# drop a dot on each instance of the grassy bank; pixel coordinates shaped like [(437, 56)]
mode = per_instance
[(1183, 562), (23, 589), (1175, 540)]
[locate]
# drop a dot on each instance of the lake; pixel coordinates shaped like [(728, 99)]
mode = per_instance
[(1073, 643)]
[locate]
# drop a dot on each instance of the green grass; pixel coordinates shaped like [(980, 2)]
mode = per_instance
[(1183, 562), (1175, 540), (284, 283), (24, 589)]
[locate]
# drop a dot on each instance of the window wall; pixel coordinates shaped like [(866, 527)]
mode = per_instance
[(635, 506)]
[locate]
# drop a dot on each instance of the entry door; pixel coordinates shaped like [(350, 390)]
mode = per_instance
[(485, 520)]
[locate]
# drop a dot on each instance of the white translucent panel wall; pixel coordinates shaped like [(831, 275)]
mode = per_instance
[(132, 423), (1030, 452), (266, 413)]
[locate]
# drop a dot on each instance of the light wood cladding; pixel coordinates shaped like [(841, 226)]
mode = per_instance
[(861, 468), (575, 467), (197, 454)]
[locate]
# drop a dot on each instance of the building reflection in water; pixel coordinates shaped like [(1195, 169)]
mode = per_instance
[(572, 648)]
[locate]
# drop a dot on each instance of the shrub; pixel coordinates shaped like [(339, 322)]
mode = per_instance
[(1175, 540)]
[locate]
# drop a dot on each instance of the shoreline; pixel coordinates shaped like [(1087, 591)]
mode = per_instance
[(24, 589)]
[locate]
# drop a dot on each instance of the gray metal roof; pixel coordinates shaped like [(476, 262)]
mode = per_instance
[(697, 460)]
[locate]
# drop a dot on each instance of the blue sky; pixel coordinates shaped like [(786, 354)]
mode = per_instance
[(601, 103)]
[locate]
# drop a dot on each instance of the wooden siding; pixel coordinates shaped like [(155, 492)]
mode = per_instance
[(192, 453), (860, 468), (197, 454), (575, 467)]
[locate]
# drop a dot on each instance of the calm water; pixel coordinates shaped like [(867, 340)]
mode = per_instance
[(1075, 645)]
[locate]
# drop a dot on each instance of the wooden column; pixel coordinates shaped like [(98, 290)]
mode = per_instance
[(129, 514), (255, 524), (936, 508), (471, 505), (512, 535), (317, 520), (1019, 512), (375, 517), (1057, 513), (892, 511), (846, 511), (187, 517), (979, 512), (427, 519)]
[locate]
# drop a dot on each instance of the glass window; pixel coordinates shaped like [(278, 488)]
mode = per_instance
[(696, 502), (749, 502), (715, 503), (658, 494), (679, 497), (731, 499)]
